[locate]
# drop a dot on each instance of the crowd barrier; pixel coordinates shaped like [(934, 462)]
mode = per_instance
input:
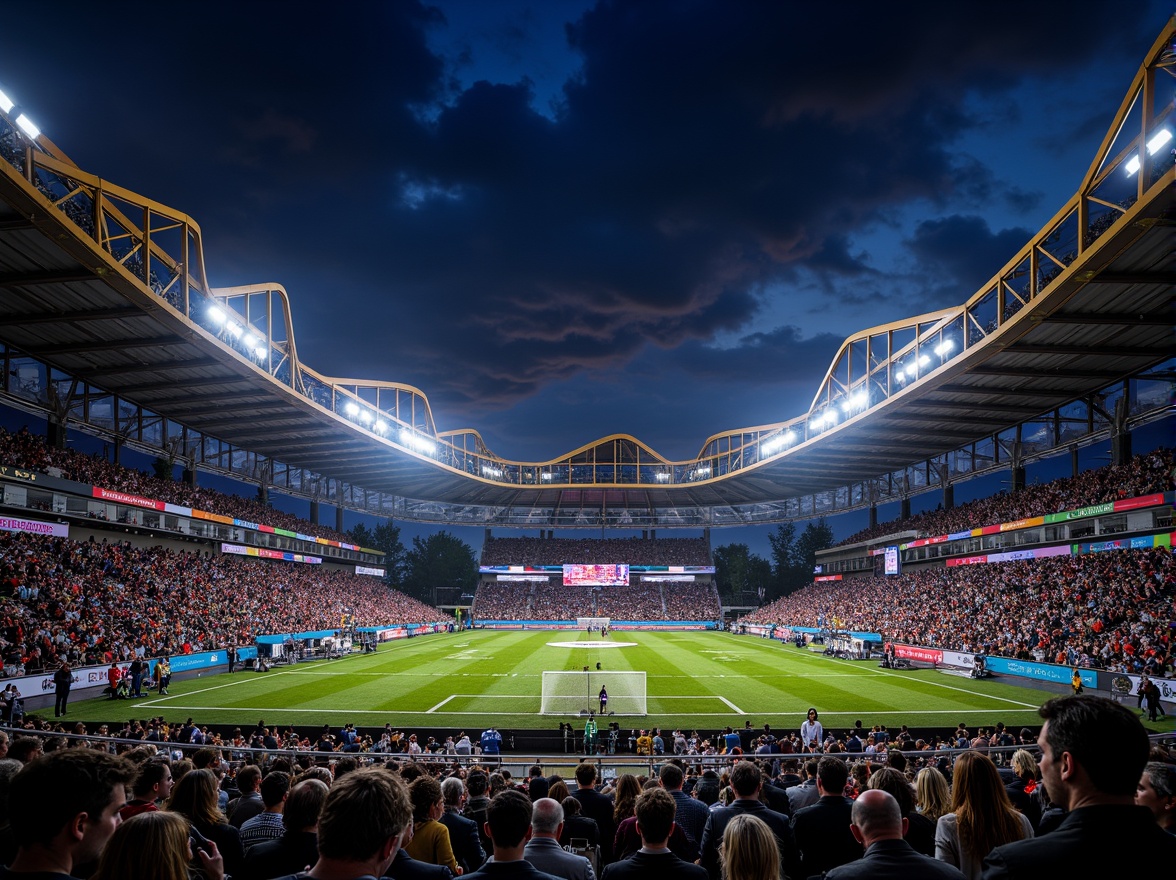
[(632, 625)]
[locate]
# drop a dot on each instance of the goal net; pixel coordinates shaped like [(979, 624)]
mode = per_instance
[(594, 622), (578, 693)]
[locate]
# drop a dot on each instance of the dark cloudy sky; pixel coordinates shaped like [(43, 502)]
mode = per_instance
[(566, 219)]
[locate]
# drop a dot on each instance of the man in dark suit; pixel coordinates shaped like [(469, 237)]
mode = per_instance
[(655, 820), (543, 849), (1093, 752), (746, 781), (878, 826), (508, 822), (405, 867), (596, 806), (297, 848), (463, 832), (822, 830), (690, 814), (477, 804)]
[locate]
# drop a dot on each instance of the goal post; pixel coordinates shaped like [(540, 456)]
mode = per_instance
[(596, 623), (578, 693)]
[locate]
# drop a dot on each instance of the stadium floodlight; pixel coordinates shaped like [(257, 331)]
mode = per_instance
[(662, 477), (855, 403), (414, 441), (381, 426), (217, 314), (233, 329), (27, 126), (365, 416), (250, 340), (1157, 141), (825, 419), (546, 476), (780, 441), (944, 348), (259, 353), (701, 473), (351, 409), (6, 103), (491, 471)]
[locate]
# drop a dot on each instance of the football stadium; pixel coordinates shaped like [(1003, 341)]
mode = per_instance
[(152, 615)]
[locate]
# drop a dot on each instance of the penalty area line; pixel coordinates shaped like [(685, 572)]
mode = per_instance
[(439, 705), (734, 708)]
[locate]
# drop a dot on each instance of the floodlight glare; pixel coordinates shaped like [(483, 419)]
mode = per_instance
[(662, 477), (27, 126), (216, 314), (546, 476), (1158, 140), (233, 329), (924, 360), (351, 409), (259, 353), (6, 103), (944, 348), (250, 340), (488, 471), (420, 444), (365, 416), (381, 426)]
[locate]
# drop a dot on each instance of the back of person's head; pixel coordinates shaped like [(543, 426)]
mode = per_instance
[(832, 774), (746, 778), (585, 774), (25, 748), (655, 815), (345, 765), (1086, 726), (897, 760), (304, 804), (362, 811), (205, 757), (985, 818), (410, 772), (877, 815), (153, 844), (892, 782), (477, 783), (195, 795), (670, 776), (274, 788), (571, 806), (546, 816), (932, 793), (558, 790), (452, 789), (425, 792), (750, 851), (248, 778), (810, 769), (322, 774), (151, 773), (707, 788), (1024, 765), (509, 817), (49, 793)]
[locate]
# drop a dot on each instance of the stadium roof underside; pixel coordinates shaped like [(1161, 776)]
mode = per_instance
[(110, 288)]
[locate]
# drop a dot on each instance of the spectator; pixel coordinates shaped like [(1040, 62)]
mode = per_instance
[(981, 817), (297, 848), (879, 827), (655, 819), (430, 839), (1093, 752), (596, 806), (509, 826), (152, 786), (1157, 792), (822, 830), (249, 804), (543, 849), (69, 803), (195, 797), (463, 832), (156, 846), (268, 824), (749, 850), (746, 782)]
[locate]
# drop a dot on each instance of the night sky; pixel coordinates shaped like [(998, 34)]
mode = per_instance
[(566, 219)]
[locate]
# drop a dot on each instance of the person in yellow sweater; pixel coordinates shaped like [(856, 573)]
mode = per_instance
[(430, 839)]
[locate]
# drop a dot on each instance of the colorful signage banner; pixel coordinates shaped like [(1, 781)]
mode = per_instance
[(34, 527)]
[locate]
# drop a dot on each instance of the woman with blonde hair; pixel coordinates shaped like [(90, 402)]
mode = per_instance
[(981, 817), (156, 846), (195, 798), (931, 795), (749, 850)]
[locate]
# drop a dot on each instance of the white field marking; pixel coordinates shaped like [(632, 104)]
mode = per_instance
[(591, 644), (951, 688), (734, 708), (167, 700), (442, 703), (270, 710)]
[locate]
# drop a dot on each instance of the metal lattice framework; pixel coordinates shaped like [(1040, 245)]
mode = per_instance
[(108, 315)]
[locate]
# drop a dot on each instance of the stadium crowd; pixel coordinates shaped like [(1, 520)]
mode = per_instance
[(521, 601), (597, 551), (1111, 610), (98, 601), (1086, 793), (1143, 475), (28, 451)]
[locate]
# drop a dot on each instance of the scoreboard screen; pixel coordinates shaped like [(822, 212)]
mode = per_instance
[(596, 575)]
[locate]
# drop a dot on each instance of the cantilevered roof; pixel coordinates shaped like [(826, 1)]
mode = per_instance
[(110, 287)]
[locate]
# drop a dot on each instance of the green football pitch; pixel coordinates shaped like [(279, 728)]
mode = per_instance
[(469, 680)]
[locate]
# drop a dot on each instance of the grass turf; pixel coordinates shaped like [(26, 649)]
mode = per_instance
[(695, 680)]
